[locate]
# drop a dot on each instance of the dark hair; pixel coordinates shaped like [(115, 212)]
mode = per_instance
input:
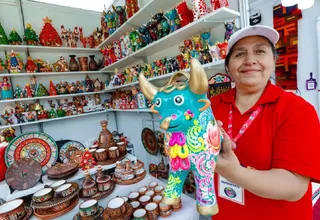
[(226, 63)]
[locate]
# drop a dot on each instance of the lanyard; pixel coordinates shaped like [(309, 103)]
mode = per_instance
[(244, 126)]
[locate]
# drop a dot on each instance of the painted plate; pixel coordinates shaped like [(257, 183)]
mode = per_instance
[(23, 174), (68, 149), (35, 145), (149, 141)]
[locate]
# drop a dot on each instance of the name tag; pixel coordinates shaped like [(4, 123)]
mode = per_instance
[(230, 191)]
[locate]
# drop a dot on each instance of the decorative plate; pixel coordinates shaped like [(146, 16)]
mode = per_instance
[(67, 150), (149, 141), (62, 170), (36, 145), (23, 174)]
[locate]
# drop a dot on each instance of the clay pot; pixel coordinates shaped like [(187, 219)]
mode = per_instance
[(113, 152), (116, 207), (105, 138), (101, 154), (93, 66), (122, 147), (43, 195), (73, 64), (83, 62), (14, 210), (152, 210)]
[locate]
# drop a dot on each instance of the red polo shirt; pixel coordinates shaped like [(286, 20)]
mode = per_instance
[(284, 135)]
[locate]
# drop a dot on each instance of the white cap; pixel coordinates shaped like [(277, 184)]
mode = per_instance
[(261, 30)]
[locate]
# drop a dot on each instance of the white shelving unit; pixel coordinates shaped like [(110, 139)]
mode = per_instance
[(79, 175), (24, 48), (50, 73)]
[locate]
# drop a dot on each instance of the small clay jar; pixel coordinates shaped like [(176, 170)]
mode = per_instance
[(73, 64), (89, 186), (93, 66), (83, 62)]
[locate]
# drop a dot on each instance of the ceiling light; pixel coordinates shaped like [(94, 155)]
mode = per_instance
[(304, 4), (287, 3)]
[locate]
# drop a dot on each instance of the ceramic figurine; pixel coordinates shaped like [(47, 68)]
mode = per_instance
[(229, 26), (87, 161), (2, 65), (144, 33), (122, 14), (28, 91), (195, 140), (162, 24), (48, 35), (132, 7), (18, 92), (216, 4), (30, 66), (136, 40), (205, 39), (105, 137), (6, 89), (222, 49), (111, 20), (214, 53), (30, 36), (196, 42), (61, 65), (185, 14), (173, 18), (14, 38), (152, 29), (199, 8), (14, 62), (117, 49)]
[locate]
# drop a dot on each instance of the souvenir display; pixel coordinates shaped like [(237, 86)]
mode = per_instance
[(118, 209), (219, 83), (30, 36), (195, 142), (3, 36), (15, 209), (48, 35), (23, 174), (6, 89), (14, 38), (67, 150), (35, 145), (62, 171), (149, 141)]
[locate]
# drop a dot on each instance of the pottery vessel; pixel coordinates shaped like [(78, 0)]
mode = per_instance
[(93, 152), (65, 190), (140, 214), (113, 152), (152, 211), (116, 207), (135, 204), (61, 170), (88, 208), (83, 63), (105, 138), (127, 175), (73, 64), (93, 66), (138, 168), (43, 195), (61, 206), (13, 210), (134, 196), (150, 193), (177, 207), (57, 184), (122, 147), (104, 182), (158, 190), (165, 210), (153, 185), (118, 170), (144, 200), (157, 199), (142, 190), (89, 186), (101, 154)]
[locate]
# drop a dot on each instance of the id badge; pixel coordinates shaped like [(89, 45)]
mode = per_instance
[(230, 191)]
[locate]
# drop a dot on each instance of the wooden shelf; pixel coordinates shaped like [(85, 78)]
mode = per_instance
[(219, 65), (140, 18), (50, 73), (211, 20), (42, 49), (79, 175)]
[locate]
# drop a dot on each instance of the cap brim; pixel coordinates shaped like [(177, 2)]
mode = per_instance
[(260, 30)]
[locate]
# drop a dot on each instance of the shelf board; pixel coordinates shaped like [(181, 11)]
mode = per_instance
[(79, 175), (50, 73), (139, 18), (23, 48), (50, 97), (206, 22), (218, 65), (131, 110)]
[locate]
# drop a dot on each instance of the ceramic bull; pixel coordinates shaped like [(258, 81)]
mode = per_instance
[(195, 138)]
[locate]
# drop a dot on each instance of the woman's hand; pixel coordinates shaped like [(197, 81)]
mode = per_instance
[(227, 163)]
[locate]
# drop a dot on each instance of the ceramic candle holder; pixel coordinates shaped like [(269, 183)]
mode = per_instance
[(135, 205), (116, 207), (43, 195), (158, 190), (144, 200), (133, 196), (122, 147), (57, 184), (157, 199), (65, 190), (101, 154), (165, 210), (152, 210), (142, 190), (140, 214), (150, 193), (153, 185), (113, 152), (13, 210), (88, 208)]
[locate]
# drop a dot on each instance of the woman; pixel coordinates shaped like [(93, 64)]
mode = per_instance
[(271, 147)]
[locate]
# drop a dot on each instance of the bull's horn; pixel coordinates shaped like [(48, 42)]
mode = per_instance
[(198, 79), (147, 88), (165, 123)]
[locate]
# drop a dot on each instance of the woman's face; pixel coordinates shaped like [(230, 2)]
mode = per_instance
[(251, 63)]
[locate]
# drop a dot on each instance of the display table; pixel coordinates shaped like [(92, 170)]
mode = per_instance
[(188, 211)]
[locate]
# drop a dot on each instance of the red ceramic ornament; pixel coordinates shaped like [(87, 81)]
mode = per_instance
[(52, 89), (87, 161), (49, 36), (31, 67)]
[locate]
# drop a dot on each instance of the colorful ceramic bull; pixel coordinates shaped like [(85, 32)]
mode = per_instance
[(195, 138)]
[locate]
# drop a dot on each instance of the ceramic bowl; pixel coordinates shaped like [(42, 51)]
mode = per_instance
[(157, 199), (101, 154), (152, 210), (122, 147), (116, 207), (13, 210), (88, 208), (140, 214), (164, 207), (133, 196), (142, 190), (113, 152), (153, 185), (65, 190), (135, 205), (104, 184), (144, 200), (43, 195), (177, 207), (57, 184), (150, 193), (158, 190)]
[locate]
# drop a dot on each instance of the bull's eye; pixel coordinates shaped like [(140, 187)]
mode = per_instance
[(178, 100), (158, 102)]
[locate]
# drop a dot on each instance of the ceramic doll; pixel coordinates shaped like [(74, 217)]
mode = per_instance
[(111, 20), (205, 39), (123, 46), (122, 14), (144, 33), (196, 40), (6, 89), (153, 31), (117, 49)]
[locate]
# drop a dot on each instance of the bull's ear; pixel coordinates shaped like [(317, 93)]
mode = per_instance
[(147, 88), (206, 104), (198, 82)]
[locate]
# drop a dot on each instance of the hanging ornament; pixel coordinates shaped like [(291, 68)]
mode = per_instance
[(305, 4), (287, 3)]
